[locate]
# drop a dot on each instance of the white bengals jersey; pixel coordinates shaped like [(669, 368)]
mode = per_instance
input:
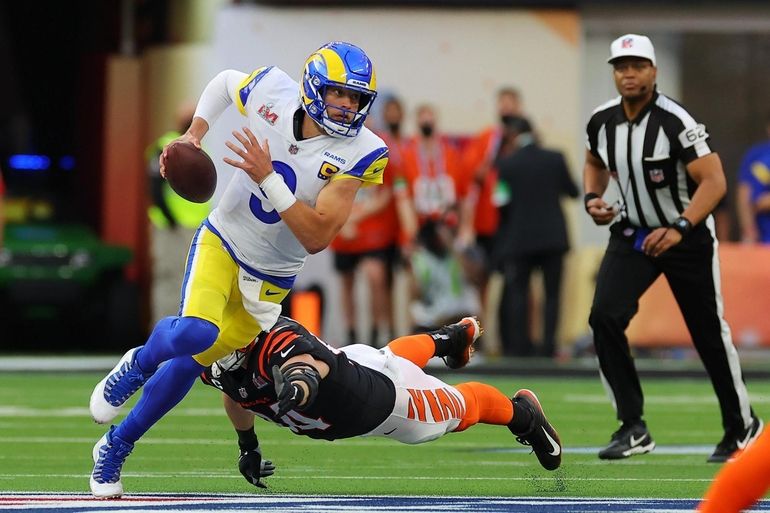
[(245, 219)]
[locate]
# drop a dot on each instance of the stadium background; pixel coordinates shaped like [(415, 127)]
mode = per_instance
[(107, 78), (91, 84)]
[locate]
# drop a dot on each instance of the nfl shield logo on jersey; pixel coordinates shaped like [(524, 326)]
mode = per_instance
[(243, 392), (293, 149), (656, 175)]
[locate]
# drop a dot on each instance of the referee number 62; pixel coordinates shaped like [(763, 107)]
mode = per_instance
[(693, 135)]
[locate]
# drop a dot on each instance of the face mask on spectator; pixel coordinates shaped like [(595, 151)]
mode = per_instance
[(506, 119)]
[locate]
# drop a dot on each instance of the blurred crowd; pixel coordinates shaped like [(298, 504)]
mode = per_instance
[(451, 211)]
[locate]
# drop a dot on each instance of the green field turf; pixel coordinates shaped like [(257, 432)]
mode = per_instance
[(46, 436)]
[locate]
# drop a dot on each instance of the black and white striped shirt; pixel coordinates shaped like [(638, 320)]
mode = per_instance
[(647, 156)]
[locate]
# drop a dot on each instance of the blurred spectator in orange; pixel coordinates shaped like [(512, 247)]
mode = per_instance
[(398, 145), (532, 234), (432, 170), (479, 215), (367, 241), (753, 200)]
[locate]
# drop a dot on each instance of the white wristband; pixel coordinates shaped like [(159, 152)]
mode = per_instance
[(277, 192)]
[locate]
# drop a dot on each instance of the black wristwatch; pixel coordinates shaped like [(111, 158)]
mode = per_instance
[(682, 225)]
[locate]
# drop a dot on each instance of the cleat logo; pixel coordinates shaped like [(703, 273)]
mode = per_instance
[(636, 441), (742, 444), (556, 447)]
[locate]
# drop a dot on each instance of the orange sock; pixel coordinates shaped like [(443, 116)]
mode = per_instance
[(418, 349), (740, 483), (485, 404)]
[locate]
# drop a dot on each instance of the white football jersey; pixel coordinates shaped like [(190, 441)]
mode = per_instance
[(245, 219)]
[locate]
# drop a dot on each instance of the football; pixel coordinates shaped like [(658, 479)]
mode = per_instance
[(190, 172)]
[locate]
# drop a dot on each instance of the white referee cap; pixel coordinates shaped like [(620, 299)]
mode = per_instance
[(632, 45)]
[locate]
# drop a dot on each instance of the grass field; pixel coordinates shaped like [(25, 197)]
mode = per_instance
[(46, 436)]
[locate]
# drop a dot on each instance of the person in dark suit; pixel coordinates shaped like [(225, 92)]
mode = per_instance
[(532, 234)]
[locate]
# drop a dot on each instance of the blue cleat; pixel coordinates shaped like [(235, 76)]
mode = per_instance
[(114, 390), (109, 454)]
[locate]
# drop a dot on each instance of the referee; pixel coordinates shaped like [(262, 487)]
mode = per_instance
[(669, 182)]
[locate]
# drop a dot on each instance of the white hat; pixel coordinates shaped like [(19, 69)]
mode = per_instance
[(632, 45)]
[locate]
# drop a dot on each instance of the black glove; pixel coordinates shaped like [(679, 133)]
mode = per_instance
[(290, 395), (253, 467)]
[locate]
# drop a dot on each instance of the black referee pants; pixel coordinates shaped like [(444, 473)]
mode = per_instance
[(514, 311), (692, 271)]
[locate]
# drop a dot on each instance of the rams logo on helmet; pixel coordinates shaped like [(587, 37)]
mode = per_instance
[(342, 65)]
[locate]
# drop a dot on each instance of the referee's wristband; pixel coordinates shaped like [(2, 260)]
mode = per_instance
[(682, 225), (588, 197), (277, 192)]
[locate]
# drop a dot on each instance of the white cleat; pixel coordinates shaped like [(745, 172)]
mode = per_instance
[(109, 454), (113, 391)]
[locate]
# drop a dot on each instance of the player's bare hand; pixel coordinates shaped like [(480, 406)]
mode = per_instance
[(256, 157), (186, 137), (660, 240), (600, 211)]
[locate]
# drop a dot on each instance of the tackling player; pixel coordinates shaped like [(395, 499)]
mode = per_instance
[(291, 200), (290, 377)]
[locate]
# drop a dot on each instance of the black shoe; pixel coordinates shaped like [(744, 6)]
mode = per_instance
[(461, 336), (630, 439), (541, 435), (733, 441)]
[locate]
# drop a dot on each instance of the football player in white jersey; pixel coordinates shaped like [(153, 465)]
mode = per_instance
[(304, 155)]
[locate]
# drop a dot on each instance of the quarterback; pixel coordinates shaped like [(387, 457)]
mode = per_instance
[(304, 154)]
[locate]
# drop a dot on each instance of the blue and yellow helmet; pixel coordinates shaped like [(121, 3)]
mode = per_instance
[(342, 65)]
